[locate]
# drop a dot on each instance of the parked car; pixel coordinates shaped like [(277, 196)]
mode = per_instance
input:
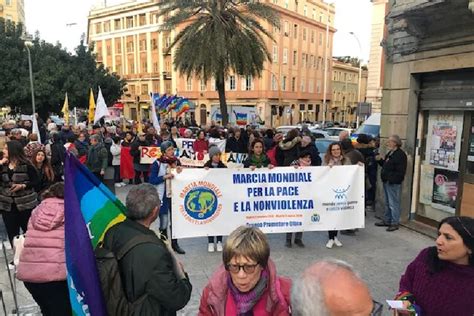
[(319, 133), (322, 144), (285, 129), (335, 131)]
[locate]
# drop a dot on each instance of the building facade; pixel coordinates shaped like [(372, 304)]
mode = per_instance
[(377, 56), (345, 83), (429, 101), (13, 10), (289, 90)]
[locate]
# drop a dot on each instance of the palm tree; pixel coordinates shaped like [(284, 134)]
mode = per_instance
[(219, 37)]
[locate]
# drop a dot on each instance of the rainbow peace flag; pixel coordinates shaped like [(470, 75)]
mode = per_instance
[(90, 209), (240, 118)]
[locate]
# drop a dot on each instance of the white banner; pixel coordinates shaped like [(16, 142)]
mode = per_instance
[(216, 201)]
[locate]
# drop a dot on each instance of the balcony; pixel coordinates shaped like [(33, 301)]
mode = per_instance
[(166, 51), (166, 75)]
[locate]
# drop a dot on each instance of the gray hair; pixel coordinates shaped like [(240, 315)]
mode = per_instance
[(141, 200), (307, 295), (396, 139)]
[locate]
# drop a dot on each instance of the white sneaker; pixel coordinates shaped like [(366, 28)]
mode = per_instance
[(123, 184), (219, 246), (210, 247), (117, 185), (337, 242), (330, 243)]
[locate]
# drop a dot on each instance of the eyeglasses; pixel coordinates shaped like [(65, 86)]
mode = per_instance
[(377, 309), (235, 268)]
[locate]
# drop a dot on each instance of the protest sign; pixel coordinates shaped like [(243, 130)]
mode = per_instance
[(149, 154), (216, 201)]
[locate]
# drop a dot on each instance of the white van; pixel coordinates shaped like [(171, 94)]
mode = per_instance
[(371, 126)]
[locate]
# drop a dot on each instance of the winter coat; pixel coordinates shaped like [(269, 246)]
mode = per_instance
[(97, 159), (43, 257), (216, 299), (25, 199), (82, 150), (115, 150), (135, 149), (354, 156), (200, 145), (252, 160), (236, 145), (148, 268), (209, 165), (394, 167), (314, 152), (287, 151)]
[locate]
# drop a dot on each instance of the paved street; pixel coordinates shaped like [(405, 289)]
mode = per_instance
[(380, 257)]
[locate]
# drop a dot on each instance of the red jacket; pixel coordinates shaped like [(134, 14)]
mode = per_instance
[(216, 301), (200, 145)]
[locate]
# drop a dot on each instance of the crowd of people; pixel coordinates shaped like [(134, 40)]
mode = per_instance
[(247, 283)]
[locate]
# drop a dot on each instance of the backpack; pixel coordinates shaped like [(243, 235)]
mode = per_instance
[(109, 275)]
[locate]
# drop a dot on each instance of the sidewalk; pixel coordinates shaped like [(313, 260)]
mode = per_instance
[(379, 256)]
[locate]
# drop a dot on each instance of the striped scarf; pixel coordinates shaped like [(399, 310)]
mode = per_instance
[(246, 301)]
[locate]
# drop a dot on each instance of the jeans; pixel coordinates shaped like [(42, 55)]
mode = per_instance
[(14, 220), (392, 203), (332, 234), (211, 239), (117, 174)]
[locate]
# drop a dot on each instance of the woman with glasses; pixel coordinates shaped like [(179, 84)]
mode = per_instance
[(440, 281), (334, 157), (246, 283)]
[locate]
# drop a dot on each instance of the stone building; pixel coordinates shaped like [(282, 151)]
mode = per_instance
[(289, 90), (428, 100), (13, 10)]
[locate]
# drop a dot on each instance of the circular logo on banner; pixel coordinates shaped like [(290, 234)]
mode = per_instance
[(200, 203)]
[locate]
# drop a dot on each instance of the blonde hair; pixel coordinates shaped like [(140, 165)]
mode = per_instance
[(248, 242)]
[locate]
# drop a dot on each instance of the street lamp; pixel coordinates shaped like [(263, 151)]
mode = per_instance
[(33, 107), (360, 78), (326, 48)]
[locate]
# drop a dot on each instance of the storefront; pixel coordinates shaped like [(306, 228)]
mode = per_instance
[(444, 166)]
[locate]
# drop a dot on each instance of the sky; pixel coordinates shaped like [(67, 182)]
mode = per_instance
[(66, 20)]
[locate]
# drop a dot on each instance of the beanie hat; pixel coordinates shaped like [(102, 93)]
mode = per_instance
[(214, 150), (165, 145)]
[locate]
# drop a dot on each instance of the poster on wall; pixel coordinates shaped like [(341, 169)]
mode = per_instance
[(445, 189), (444, 140), (426, 184)]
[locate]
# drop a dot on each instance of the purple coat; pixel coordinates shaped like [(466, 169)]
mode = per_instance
[(447, 292), (43, 258)]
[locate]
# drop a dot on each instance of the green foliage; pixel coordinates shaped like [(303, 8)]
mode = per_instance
[(354, 61), (55, 72), (219, 37)]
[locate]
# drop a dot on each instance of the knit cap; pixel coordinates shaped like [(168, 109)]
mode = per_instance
[(165, 145), (214, 150)]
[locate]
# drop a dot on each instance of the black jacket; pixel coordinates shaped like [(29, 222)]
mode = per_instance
[(148, 268), (394, 167), (288, 151), (314, 152), (209, 165), (236, 145)]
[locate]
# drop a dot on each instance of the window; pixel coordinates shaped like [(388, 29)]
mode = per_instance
[(117, 25), (203, 85), (285, 56), (213, 85), (283, 83), (248, 83), (232, 86), (286, 28), (313, 15), (107, 26), (275, 54), (274, 83), (156, 68), (304, 34), (293, 84), (320, 39), (311, 61), (312, 37), (108, 50), (130, 47), (168, 87), (129, 22), (144, 66), (154, 46), (303, 60), (303, 85), (119, 48), (8, 2), (189, 84), (320, 60), (168, 42), (98, 28), (295, 31), (275, 1), (318, 86), (311, 86), (168, 66), (287, 4), (142, 19), (118, 67), (305, 10), (132, 89), (142, 45), (295, 57), (144, 89)]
